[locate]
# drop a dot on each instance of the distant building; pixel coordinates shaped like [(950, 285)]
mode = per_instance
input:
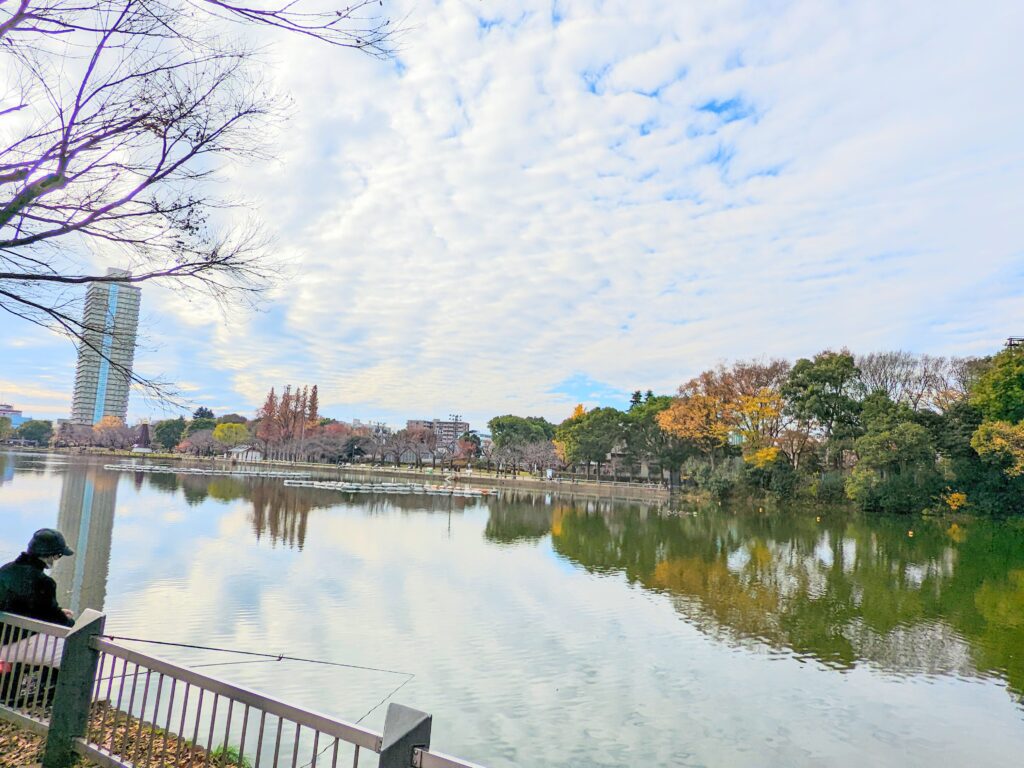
[(7, 411), (374, 428), (106, 354), (447, 431), (245, 453)]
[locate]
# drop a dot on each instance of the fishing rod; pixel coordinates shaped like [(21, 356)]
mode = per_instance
[(266, 656)]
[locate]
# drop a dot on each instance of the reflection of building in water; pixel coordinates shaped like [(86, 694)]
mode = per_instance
[(86, 519), (6, 468)]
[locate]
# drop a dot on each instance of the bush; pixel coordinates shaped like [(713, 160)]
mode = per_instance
[(720, 481), (776, 478), (830, 487), (899, 494)]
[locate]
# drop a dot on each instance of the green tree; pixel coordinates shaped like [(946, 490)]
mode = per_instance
[(231, 434), (37, 430), (169, 432), (987, 486), (591, 437), (645, 440), (999, 391), (201, 424), (823, 392), (202, 412), (5, 428), (232, 418), (1002, 443), (511, 430), (896, 459), (469, 444)]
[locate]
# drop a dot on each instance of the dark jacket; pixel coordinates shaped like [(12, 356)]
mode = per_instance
[(27, 591)]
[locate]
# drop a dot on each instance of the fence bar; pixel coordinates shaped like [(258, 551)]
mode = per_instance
[(32, 705), (227, 729), (277, 741), (259, 740), (142, 718), (30, 724), (181, 727), (117, 709), (34, 625), (213, 724), (195, 733), (156, 717), (241, 744), (8, 683)]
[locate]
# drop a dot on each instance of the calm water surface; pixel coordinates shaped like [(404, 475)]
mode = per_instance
[(545, 632)]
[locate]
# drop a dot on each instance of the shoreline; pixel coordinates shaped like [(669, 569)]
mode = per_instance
[(585, 489)]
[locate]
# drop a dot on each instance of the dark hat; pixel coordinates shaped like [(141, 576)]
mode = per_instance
[(46, 542)]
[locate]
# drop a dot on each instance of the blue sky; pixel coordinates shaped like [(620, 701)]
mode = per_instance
[(537, 204)]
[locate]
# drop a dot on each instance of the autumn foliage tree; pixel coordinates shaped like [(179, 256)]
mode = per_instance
[(702, 413), (284, 424)]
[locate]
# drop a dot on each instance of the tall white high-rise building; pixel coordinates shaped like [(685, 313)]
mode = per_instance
[(105, 358)]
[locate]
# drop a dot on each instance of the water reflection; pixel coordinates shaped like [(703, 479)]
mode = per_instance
[(6, 468), (918, 596), (86, 517), (516, 615)]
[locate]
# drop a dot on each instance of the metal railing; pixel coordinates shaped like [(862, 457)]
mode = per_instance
[(145, 708), (30, 653), (121, 708)]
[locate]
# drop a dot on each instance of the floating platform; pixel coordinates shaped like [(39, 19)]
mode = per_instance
[(171, 470), (356, 487)]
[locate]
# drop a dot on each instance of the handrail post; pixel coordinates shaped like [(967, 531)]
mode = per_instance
[(71, 701), (405, 729)]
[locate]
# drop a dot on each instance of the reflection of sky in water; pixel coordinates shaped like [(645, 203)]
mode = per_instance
[(523, 656)]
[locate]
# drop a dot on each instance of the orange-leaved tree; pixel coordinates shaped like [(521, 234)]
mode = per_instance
[(703, 412)]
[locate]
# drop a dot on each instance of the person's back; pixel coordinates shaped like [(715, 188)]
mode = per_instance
[(25, 589)]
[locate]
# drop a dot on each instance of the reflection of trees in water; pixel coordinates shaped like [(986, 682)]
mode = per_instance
[(840, 588), (278, 511), (281, 512), (510, 520)]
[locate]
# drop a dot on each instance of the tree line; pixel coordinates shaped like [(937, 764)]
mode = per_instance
[(890, 431)]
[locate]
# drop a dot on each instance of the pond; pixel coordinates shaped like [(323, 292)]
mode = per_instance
[(546, 631)]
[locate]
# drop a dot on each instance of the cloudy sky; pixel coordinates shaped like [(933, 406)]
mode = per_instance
[(540, 203)]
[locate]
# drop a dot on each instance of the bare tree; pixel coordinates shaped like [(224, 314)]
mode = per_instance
[(955, 380), (892, 373), (919, 381), (201, 443), (114, 114), (540, 455)]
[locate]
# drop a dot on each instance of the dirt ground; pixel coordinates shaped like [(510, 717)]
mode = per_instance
[(123, 735)]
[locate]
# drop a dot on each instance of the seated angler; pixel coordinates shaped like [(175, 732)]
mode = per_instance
[(24, 587)]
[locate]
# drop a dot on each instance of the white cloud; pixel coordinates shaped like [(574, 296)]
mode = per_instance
[(630, 195)]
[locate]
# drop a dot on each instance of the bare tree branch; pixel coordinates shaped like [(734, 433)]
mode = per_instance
[(120, 113)]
